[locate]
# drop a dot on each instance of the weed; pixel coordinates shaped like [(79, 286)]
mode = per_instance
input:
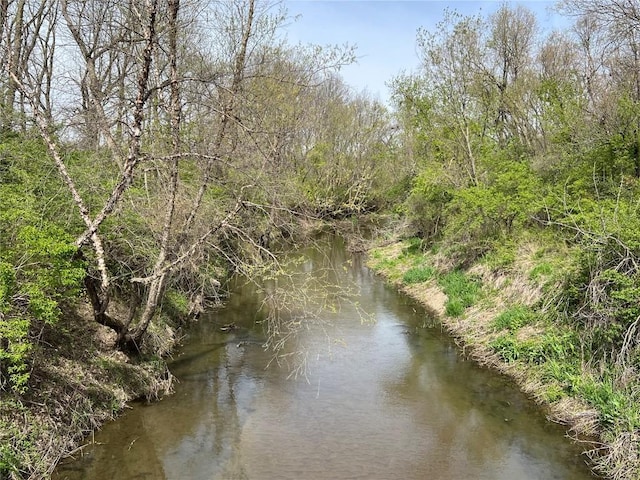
[(505, 346), (15, 448), (454, 308), (501, 257), (536, 351), (562, 372), (176, 305), (414, 246), (553, 393), (614, 407), (388, 264)]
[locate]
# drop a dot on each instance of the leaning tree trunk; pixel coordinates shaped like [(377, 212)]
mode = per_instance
[(157, 284)]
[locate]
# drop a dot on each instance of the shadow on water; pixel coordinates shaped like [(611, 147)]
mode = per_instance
[(386, 395)]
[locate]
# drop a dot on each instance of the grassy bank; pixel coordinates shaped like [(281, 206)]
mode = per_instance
[(505, 312)]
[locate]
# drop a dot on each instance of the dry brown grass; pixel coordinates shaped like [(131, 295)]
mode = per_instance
[(620, 457), (429, 295)]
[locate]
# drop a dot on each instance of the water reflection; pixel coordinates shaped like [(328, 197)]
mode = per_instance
[(381, 400)]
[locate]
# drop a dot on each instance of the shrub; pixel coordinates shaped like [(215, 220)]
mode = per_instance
[(38, 270), (428, 201), (484, 215), (602, 291)]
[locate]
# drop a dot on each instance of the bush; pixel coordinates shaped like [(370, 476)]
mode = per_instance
[(39, 267), (602, 292), (427, 203), (487, 214)]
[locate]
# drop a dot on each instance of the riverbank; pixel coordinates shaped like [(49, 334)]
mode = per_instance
[(77, 382), (500, 311)]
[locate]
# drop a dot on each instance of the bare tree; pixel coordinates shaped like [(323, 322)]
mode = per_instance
[(27, 44), (181, 121), (98, 288)]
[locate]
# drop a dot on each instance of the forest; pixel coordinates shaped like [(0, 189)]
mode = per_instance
[(150, 148)]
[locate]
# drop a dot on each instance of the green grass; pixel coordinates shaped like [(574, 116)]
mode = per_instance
[(552, 348), (540, 271), (413, 246), (176, 304), (616, 408), (510, 349), (462, 292), (418, 274), (501, 257), (513, 318)]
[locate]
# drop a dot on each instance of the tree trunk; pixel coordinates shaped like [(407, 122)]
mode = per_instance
[(14, 47), (156, 286)]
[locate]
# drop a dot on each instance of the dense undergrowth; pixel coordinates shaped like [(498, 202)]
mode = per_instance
[(62, 370)]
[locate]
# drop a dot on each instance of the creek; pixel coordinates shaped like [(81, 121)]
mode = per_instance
[(371, 388)]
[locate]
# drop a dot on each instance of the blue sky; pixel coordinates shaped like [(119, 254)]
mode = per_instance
[(385, 31)]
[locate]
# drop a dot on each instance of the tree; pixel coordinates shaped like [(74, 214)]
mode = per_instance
[(181, 135), (27, 38), (616, 26), (451, 59), (512, 36)]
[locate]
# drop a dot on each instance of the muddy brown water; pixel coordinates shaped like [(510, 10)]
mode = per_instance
[(382, 394)]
